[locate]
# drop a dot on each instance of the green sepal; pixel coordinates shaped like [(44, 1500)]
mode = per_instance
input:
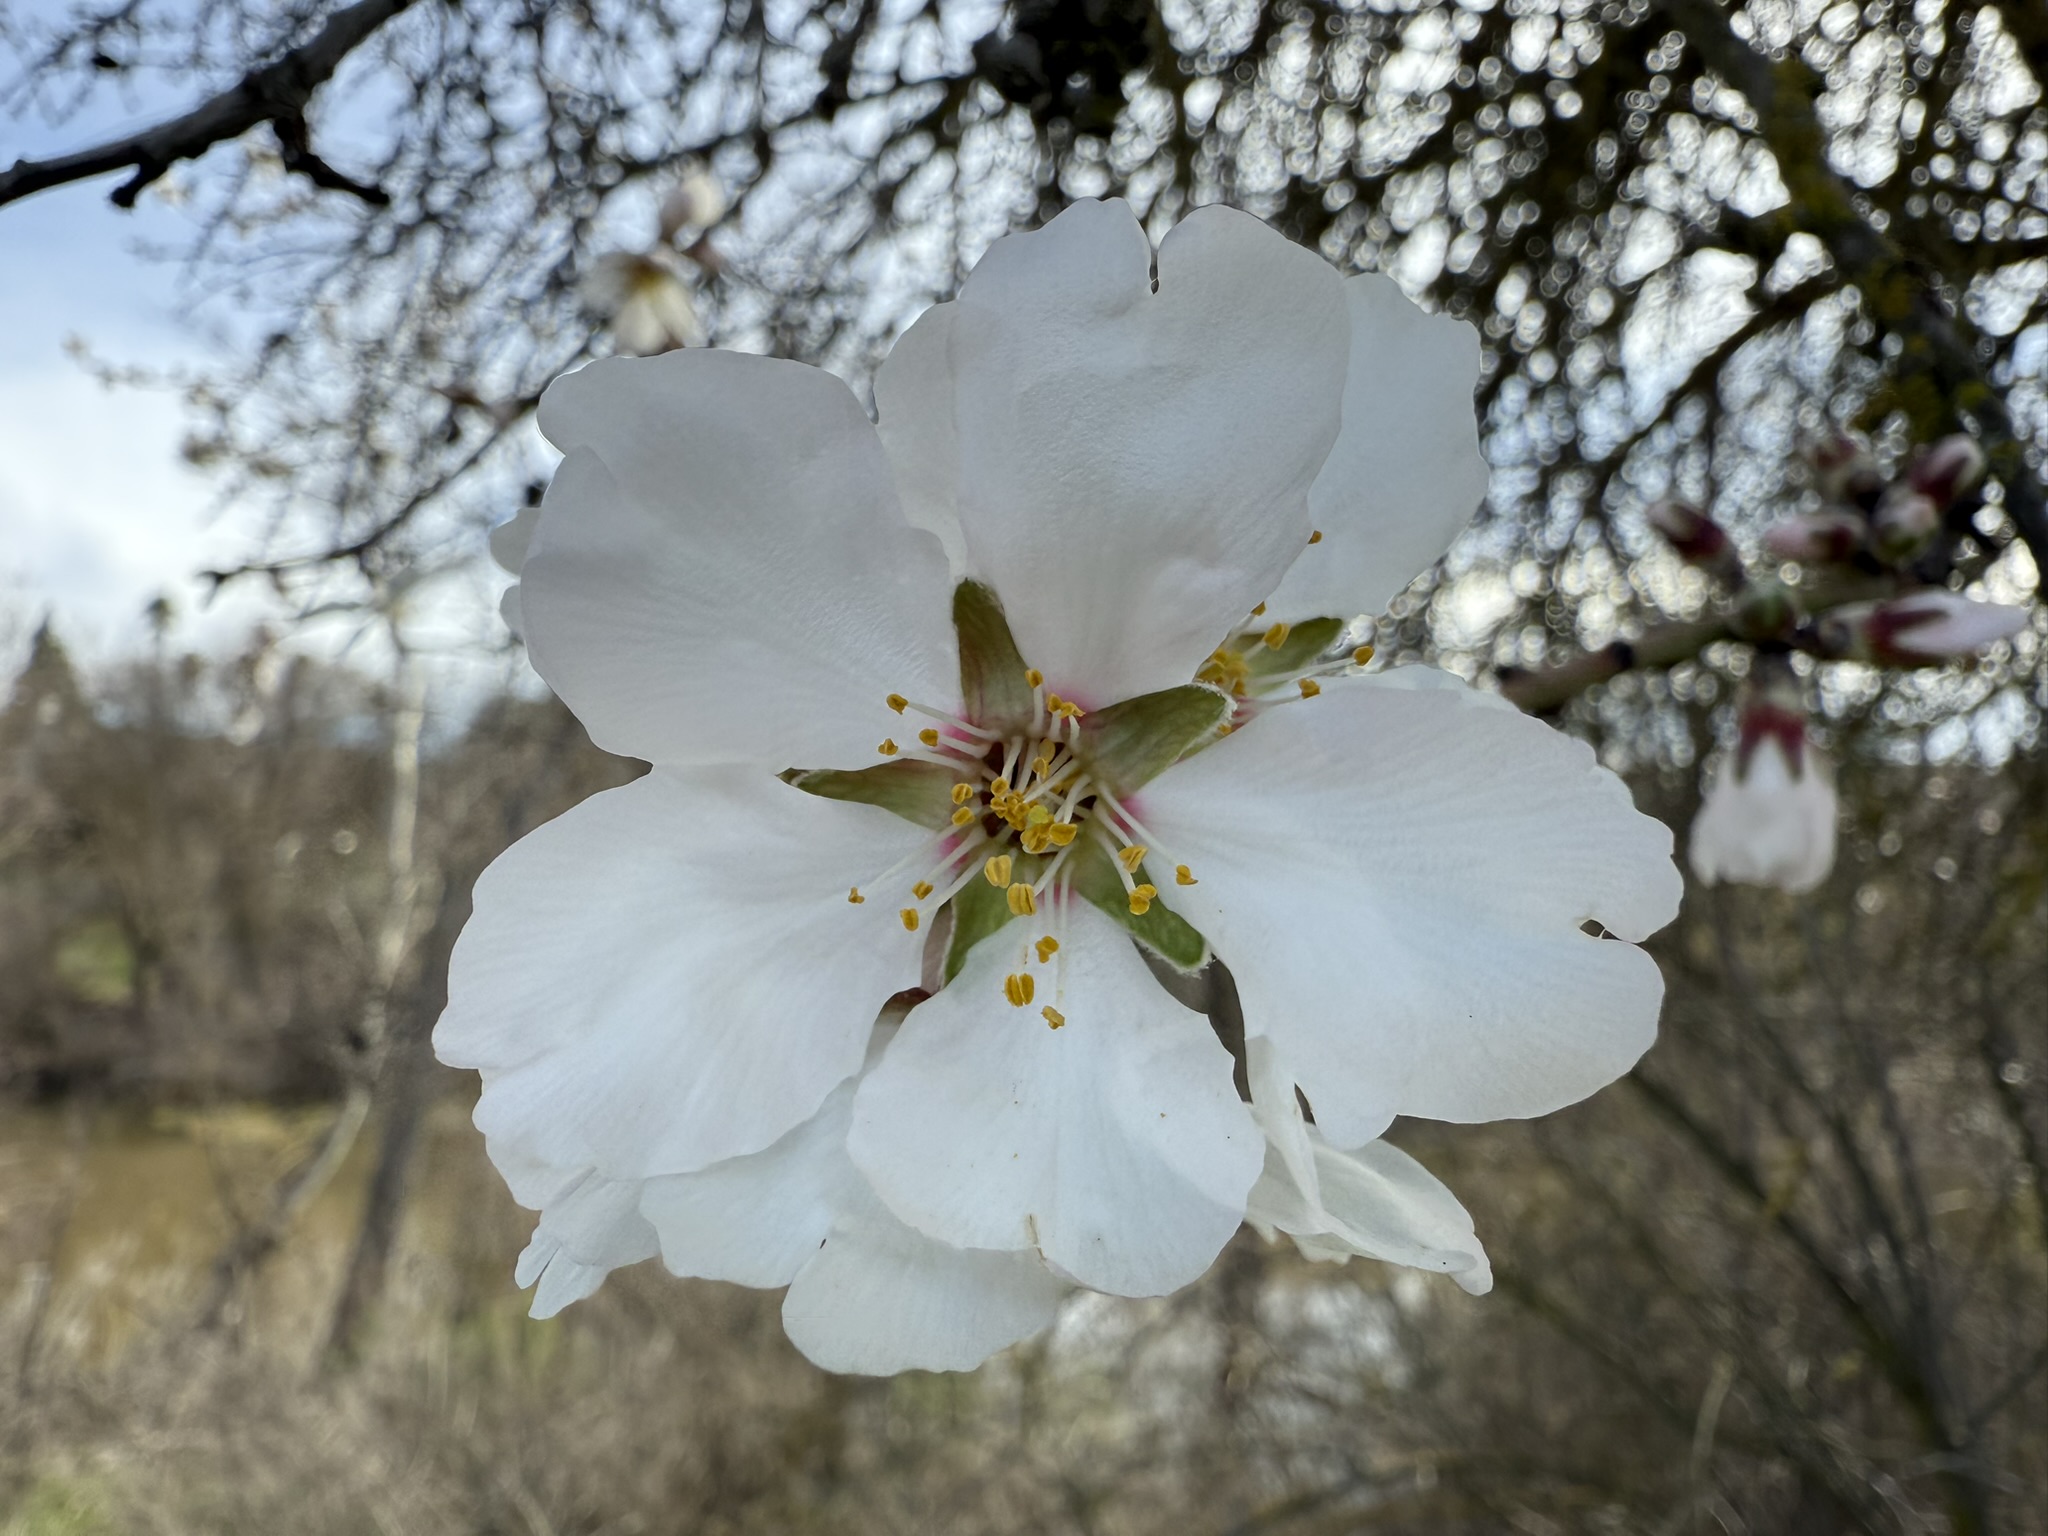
[(980, 910), (1161, 930), (1130, 744), (1303, 648), (919, 792), (992, 685)]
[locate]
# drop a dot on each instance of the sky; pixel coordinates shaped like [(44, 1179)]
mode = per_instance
[(98, 513)]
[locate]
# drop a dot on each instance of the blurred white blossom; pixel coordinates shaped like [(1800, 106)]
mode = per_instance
[(646, 298), (1768, 817)]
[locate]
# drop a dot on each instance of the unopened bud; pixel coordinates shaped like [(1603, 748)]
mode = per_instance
[(1698, 539), (1845, 471), (1921, 630), (1947, 470), (696, 202), (1904, 521), (1765, 610), (1816, 538)]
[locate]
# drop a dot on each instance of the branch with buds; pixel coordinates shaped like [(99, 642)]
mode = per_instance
[(1877, 549)]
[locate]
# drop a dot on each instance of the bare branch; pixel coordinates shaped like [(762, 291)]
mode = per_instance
[(276, 94)]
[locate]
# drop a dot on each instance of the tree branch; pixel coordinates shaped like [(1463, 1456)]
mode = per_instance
[(276, 94)]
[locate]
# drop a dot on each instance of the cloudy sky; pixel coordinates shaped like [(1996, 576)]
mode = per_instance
[(97, 512)]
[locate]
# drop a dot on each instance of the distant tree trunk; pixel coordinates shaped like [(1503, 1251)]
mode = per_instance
[(406, 1092)]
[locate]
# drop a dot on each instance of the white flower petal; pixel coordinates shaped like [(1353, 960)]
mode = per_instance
[(1134, 466), (1277, 1112), (1377, 1202), (1770, 826), (1115, 1145), (758, 1220), (1397, 875), (585, 1233), (722, 573), (914, 411), (1406, 473), (880, 1298), (671, 975)]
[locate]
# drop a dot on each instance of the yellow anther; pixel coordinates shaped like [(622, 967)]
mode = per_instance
[(1226, 669), (1062, 833), (1037, 816), (963, 816), (1141, 899), (998, 786), (922, 889), (1316, 537), (1276, 636), (1047, 947), (1182, 875), (997, 871), (1041, 766), (962, 793), (1018, 989), (1132, 857), (1309, 687), (1259, 611), (1053, 1017), (1022, 902), (909, 916), (887, 748), (855, 896), (1361, 656), (1033, 676), (897, 702), (929, 736), (1035, 839)]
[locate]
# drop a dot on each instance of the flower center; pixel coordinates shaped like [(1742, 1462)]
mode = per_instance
[(1026, 802)]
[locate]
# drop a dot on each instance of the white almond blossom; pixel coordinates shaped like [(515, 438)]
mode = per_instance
[(1768, 817), (646, 298), (922, 704)]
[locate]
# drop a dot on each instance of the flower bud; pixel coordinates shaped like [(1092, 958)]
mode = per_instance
[(1947, 470), (1765, 610), (1845, 471), (1921, 630), (1698, 539), (696, 202), (1768, 817), (1816, 538), (1904, 522)]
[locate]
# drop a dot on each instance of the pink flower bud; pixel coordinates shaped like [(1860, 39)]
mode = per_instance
[(1698, 539), (1948, 469), (1920, 630), (1818, 538), (1904, 521), (1845, 471)]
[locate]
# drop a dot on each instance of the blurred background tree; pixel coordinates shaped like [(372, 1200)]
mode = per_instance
[(1790, 1277)]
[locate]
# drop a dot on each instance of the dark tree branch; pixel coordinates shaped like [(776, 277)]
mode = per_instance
[(1940, 345), (276, 94)]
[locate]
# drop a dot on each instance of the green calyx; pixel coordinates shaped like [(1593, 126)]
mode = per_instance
[(1157, 927), (992, 685), (916, 791), (1129, 744)]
